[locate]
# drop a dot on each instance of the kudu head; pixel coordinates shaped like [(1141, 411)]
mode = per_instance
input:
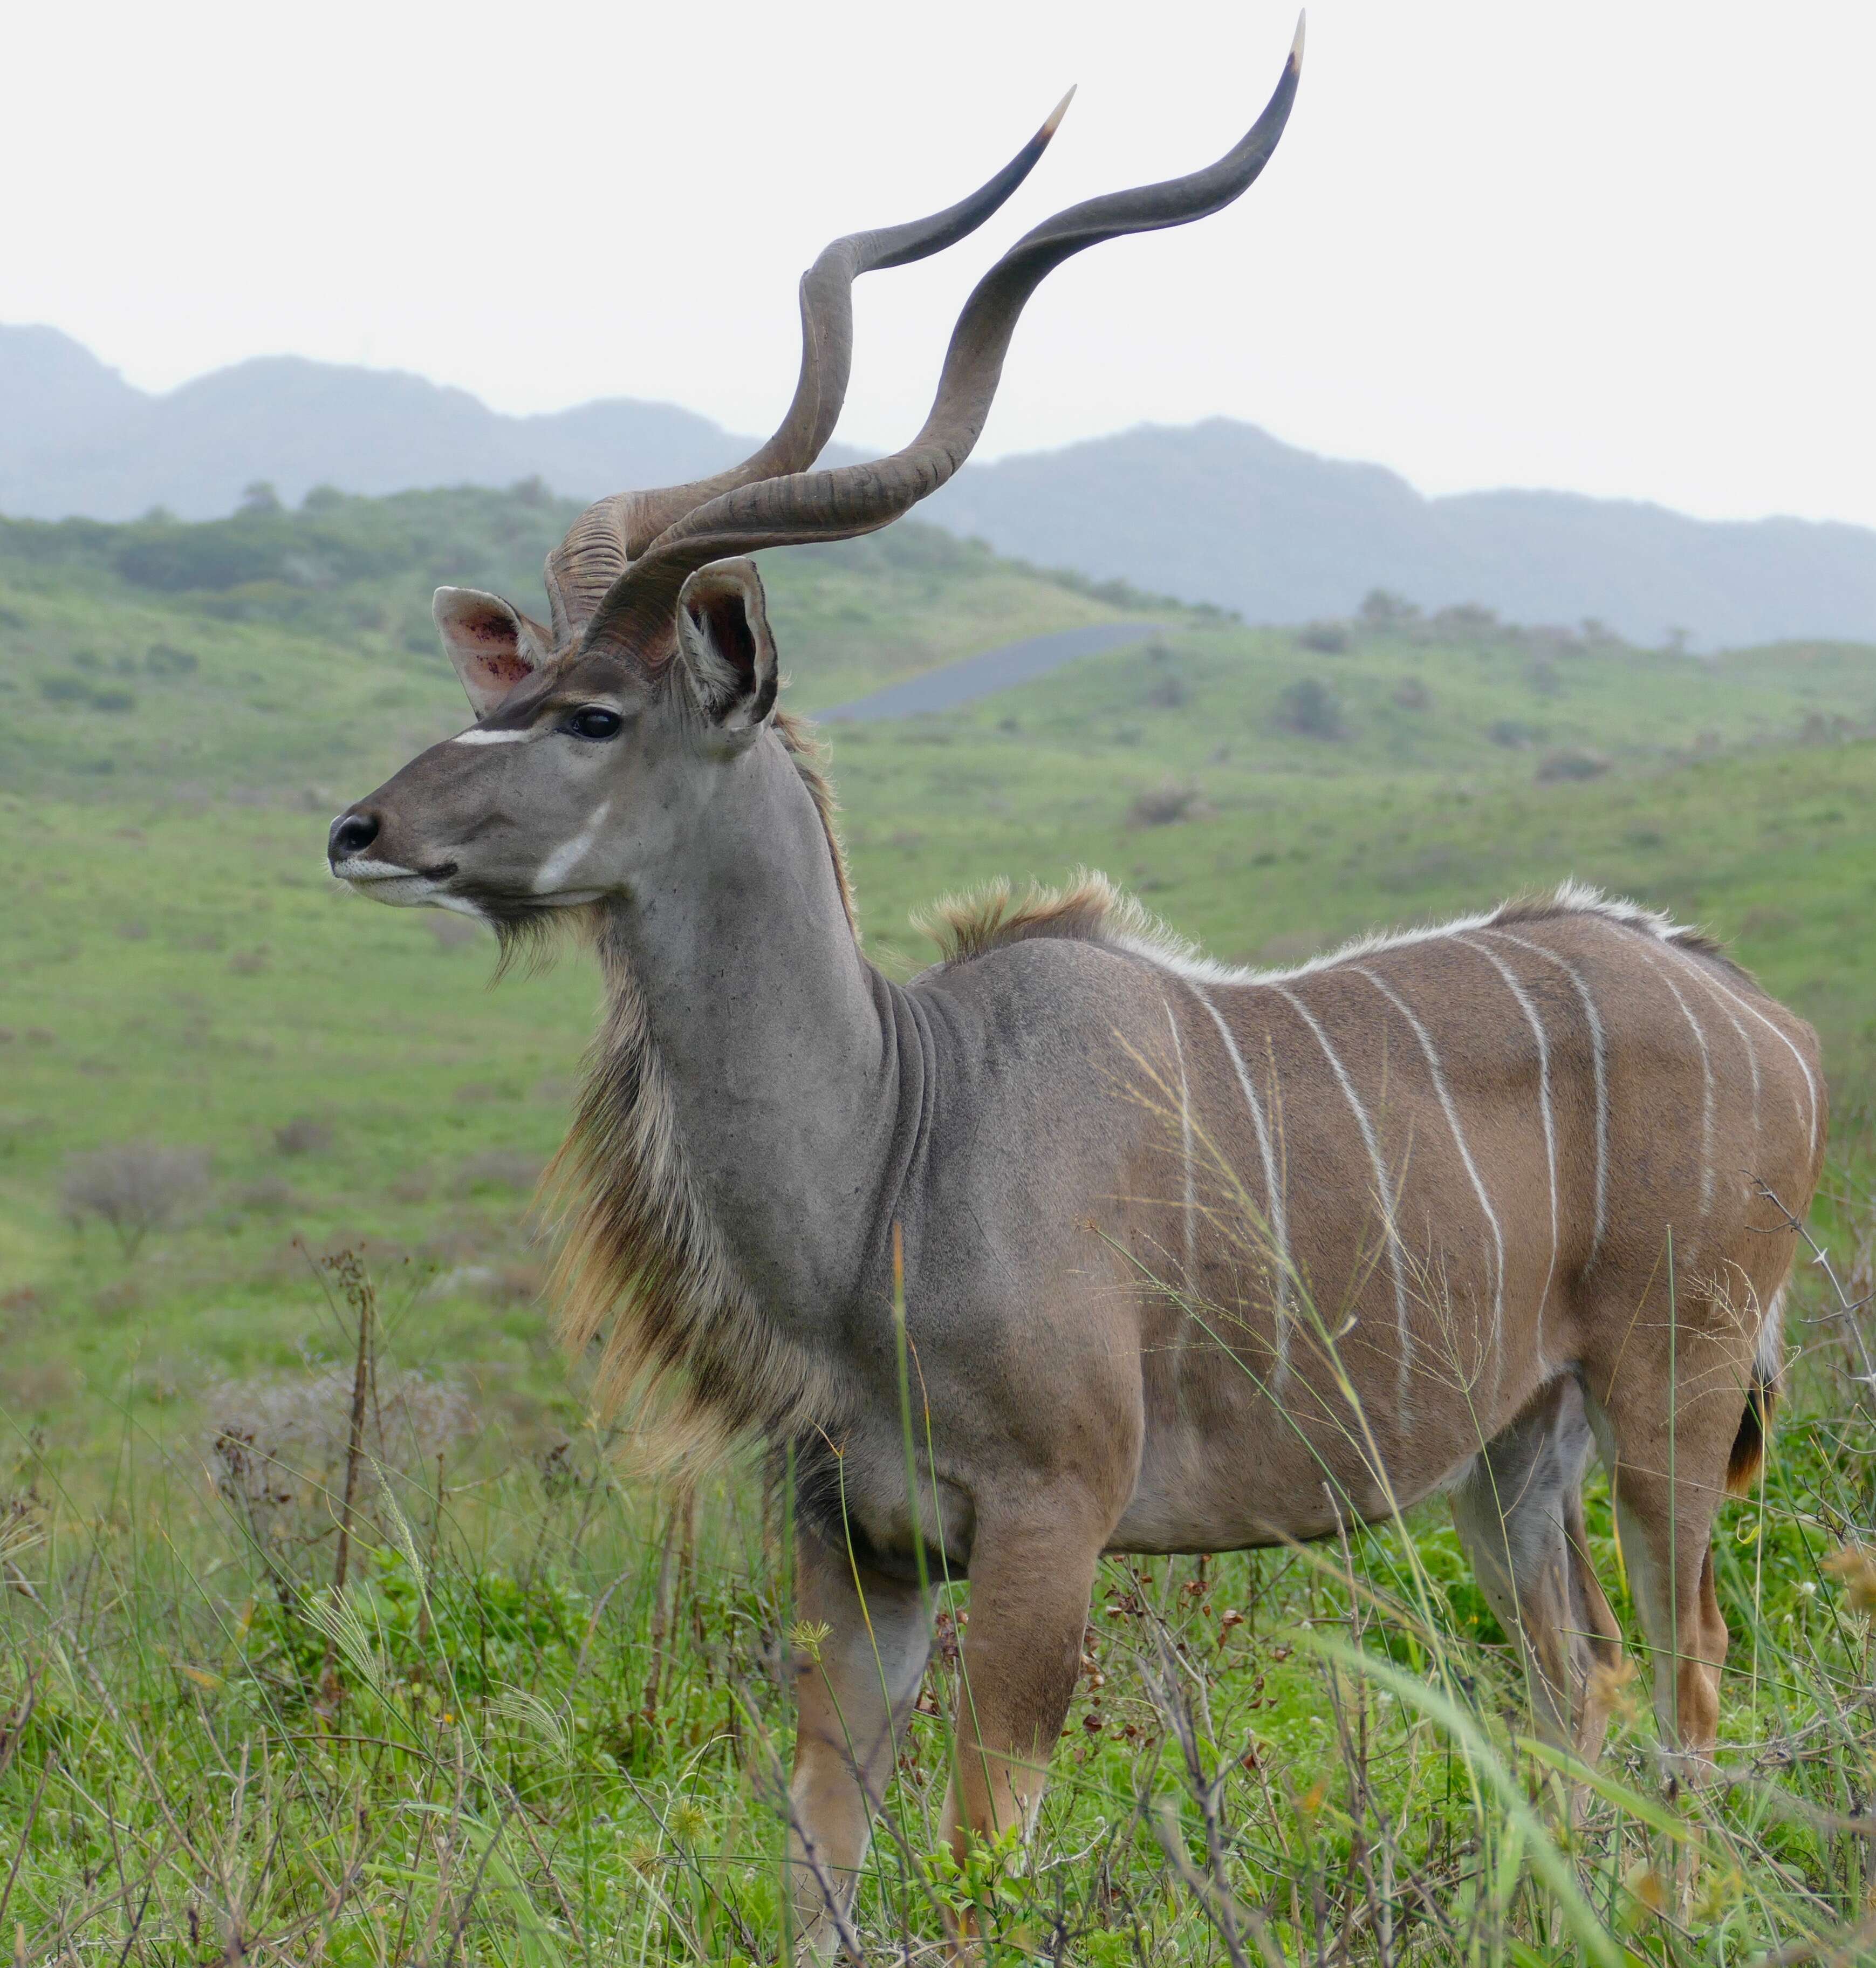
[(602, 734)]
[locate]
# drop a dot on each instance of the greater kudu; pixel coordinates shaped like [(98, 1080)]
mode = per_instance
[(1195, 1258)]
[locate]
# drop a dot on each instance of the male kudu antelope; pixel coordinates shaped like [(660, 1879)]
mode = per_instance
[(1196, 1258)]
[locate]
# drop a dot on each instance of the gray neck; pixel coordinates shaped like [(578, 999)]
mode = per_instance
[(776, 1038)]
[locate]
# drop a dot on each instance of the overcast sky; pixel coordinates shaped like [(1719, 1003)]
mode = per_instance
[(1620, 246)]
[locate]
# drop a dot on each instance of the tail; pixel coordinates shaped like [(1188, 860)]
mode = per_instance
[(1761, 1398)]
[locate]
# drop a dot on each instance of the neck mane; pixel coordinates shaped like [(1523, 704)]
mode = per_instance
[(800, 742)]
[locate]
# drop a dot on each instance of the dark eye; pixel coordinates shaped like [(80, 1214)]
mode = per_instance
[(594, 723)]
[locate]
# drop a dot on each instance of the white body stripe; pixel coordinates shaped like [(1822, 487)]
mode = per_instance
[(1810, 1084), (1745, 1037), (1274, 1191), (1536, 1024), (1707, 1094), (1598, 1057), (1383, 1194), (1465, 1155), (1142, 938), (1185, 1154)]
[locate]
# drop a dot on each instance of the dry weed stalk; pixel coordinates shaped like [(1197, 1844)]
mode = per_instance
[(348, 1271)]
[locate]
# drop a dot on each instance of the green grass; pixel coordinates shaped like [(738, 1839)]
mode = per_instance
[(542, 1723), (551, 1741)]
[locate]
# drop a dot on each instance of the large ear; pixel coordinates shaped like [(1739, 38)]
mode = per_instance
[(726, 646), (493, 645)]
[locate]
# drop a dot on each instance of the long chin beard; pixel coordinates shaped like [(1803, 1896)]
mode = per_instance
[(530, 935)]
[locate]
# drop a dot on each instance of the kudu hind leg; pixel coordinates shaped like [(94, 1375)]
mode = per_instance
[(855, 1685), (1519, 1513), (1667, 1440)]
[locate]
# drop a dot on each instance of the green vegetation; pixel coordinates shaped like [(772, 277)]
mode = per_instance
[(541, 1722)]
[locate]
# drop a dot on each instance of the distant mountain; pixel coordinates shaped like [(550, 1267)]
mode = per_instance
[(1219, 512), (75, 438), (1222, 512)]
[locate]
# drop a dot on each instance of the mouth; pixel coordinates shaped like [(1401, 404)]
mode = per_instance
[(402, 887), (391, 882)]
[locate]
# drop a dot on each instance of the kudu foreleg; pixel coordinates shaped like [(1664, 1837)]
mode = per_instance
[(1030, 1583), (862, 1642)]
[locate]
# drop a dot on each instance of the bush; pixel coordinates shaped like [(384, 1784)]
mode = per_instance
[(1467, 619), (1309, 710), (1328, 638), (1508, 731), (135, 1188), (302, 1135), (1410, 694), (1570, 764), (1165, 806), (499, 1168), (270, 1196), (1381, 608), (164, 659)]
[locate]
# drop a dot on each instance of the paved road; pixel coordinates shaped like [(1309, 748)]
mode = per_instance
[(983, 676)]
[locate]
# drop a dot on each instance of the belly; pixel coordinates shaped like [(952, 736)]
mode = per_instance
[(1230, 1463)]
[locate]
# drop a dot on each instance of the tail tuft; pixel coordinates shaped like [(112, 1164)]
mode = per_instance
[(1748, 1446)]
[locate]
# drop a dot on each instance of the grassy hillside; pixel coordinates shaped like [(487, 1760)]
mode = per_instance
[(280, 650), (181, 968), (176, 969)]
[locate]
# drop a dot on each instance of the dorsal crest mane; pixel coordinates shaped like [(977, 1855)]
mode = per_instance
[(1090, 908)]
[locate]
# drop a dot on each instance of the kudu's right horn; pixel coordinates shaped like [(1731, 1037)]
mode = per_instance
[(637, 614), (611, 532)]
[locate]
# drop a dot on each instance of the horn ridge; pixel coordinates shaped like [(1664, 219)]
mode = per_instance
[(804, 507), (614, 531)]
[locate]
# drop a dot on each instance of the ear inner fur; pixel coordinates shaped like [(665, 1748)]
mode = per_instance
[(491, 644), (724, 634)]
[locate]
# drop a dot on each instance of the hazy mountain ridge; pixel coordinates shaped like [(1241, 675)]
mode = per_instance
[(1218, 512), (80, 440), (1223, 512)]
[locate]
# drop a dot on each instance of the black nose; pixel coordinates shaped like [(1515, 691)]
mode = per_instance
[(352, 833)]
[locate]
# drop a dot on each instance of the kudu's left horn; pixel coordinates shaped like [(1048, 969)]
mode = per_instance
[(638, 611), (614, 531)]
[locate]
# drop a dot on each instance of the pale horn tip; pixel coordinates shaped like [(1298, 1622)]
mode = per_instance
[(1055, 115), (1296, 46)]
